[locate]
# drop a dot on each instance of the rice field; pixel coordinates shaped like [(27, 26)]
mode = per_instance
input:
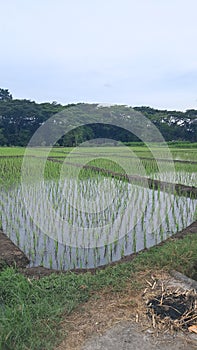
[(64, 216)]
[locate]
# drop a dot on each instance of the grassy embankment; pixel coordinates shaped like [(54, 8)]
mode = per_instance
[(31, 310)]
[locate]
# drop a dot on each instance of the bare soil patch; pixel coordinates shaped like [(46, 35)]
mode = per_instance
[(10, 254)]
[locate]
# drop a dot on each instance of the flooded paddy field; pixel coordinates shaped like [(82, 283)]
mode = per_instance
[(66, 221)]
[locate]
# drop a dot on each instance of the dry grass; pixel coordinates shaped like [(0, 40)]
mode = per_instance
[(106, 309), (166, 312)]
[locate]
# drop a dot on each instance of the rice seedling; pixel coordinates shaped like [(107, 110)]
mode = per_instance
[(95, 218)]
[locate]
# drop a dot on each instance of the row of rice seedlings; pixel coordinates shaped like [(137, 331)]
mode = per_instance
[(142, 151), (185, 174), (164, 171), (122, 220), (10, 172), (182, 173), (184, 154), (71, 215), (181, 177)]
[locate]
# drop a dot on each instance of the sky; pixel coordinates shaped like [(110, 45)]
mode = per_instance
[(131, 52)]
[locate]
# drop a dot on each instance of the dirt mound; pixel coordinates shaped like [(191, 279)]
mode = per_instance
[(10, 254)]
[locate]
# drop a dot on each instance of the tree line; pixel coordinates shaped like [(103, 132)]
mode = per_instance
[(20, 118)]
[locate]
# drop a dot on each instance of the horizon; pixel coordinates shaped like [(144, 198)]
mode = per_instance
[(102, 104)]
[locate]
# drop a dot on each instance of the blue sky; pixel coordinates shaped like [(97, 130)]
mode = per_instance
[(108, 51)]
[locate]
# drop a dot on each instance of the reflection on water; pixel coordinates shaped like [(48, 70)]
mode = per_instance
[(88, 223)]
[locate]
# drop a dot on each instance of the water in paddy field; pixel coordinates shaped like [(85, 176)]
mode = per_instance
[(91, 222), (178, 177)]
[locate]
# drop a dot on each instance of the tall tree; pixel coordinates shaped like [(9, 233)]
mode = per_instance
[(5, 95)]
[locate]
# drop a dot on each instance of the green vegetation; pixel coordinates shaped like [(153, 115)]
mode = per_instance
[(19, 119), (104, 157), (31, 310), (162, 213)]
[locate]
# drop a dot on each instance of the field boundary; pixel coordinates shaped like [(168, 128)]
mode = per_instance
[(180, 189), (182, 161)]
